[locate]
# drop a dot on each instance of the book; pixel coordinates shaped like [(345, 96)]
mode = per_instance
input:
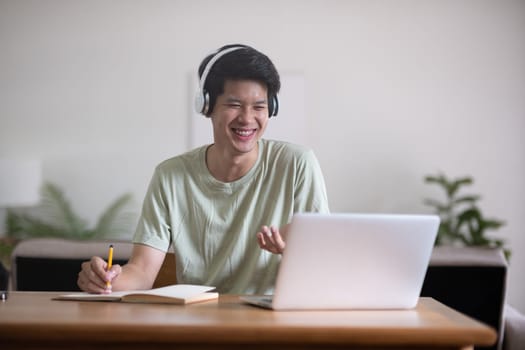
[(181, 294)]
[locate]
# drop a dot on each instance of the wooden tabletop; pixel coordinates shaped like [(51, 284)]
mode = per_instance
[(32, 320)]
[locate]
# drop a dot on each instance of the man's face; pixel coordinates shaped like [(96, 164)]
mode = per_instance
[(240, 116)]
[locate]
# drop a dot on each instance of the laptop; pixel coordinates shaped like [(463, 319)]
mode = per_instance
[(352, 261)]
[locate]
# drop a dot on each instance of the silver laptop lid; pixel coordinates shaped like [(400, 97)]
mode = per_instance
[(354, 261)]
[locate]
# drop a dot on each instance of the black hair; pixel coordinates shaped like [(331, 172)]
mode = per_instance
[(243, 64)]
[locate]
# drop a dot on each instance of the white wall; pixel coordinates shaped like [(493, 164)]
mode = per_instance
[(395, 90)]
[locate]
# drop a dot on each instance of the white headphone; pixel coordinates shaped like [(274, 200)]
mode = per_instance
[(202, 97)]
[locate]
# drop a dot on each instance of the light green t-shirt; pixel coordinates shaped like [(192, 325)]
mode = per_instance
[(212, 225)]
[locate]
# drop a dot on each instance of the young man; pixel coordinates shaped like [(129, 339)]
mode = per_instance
[(209, 202)]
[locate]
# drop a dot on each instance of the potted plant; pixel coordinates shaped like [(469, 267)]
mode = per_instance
[(462, 221), (57, 219)]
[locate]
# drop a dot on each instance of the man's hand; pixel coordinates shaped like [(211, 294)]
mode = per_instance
[(93, 276), (270, 239), (138, 273)]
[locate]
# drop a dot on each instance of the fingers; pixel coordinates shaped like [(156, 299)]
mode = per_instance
[(93, 276), (270, 239), (279, 242), (111, 276)]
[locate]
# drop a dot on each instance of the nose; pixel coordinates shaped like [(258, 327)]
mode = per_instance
[(246, 114)]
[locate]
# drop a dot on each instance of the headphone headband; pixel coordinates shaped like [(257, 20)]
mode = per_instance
[(202, 98), (212, 61)]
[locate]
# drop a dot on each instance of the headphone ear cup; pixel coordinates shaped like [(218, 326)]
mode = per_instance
[(274, 106), (199, 101), (206, 104), (202, 102)]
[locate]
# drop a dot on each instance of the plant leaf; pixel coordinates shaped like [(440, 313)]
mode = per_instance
[(493, 224), (454, 186), (58, 209), (439, 206), (437, 179), (467, 199), (113, 221), (27, 226)]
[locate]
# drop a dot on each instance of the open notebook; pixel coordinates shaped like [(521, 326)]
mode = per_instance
[(174, 294), (352, 261)]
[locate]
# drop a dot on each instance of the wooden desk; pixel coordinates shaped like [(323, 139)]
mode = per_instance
[(31, 320)]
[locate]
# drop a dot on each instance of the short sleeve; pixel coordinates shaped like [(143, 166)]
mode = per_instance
[(153, 228), (310, 194)]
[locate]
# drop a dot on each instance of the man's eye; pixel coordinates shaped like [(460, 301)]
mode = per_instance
[(234, 105), (260, 107)]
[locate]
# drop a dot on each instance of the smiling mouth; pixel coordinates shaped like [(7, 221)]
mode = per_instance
[(244, 132)]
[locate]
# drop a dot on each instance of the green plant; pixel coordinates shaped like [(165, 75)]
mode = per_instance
[(461, 218), (57, 219)]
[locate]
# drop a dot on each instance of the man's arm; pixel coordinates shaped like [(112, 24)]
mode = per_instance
[(139, 273)]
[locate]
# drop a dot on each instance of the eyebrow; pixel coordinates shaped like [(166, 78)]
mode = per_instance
[(236, 100)]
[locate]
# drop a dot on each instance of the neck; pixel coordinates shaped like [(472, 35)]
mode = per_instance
[(226, 167)]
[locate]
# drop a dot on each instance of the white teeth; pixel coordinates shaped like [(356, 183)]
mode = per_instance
[(243, 132)]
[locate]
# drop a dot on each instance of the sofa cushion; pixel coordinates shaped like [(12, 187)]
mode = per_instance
[(48, 264)]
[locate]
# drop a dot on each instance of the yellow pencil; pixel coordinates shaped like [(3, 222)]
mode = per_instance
[(110, 263)]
